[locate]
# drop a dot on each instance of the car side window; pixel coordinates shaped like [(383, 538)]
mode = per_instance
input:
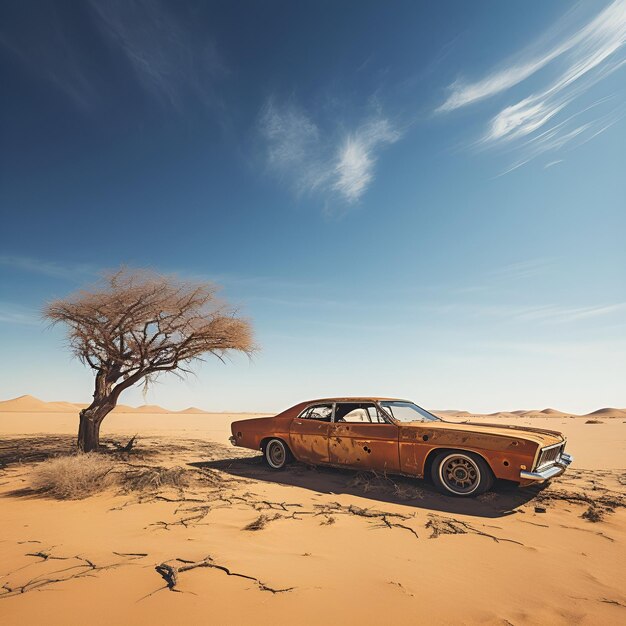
[(321, 413), (358, 413), (375, 415), (358, 416)]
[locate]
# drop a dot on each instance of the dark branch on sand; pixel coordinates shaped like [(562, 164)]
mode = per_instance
[(170, 574)]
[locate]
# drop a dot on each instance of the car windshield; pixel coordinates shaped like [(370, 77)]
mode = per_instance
[(408, 412)]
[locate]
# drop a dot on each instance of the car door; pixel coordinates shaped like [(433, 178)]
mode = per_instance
[(361, 437), (309, 432)]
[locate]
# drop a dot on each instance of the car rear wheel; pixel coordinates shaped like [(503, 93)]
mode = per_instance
[(461, 474), (276, 454)]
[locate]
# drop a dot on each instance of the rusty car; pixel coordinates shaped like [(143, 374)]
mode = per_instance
[(398, 437)]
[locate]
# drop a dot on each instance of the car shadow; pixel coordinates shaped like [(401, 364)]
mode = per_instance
[(420, 494)]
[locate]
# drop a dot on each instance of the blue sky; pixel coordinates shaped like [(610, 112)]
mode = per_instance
[(423, 200)]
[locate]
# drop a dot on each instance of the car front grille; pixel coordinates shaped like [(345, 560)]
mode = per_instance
[(550, 455)]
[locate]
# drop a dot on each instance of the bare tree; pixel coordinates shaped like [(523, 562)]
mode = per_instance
[(134, 325)]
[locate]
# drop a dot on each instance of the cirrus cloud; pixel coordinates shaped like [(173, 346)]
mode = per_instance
[(337, 164), (578, 59)]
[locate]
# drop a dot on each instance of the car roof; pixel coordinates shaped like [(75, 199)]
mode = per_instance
[(355, 399)]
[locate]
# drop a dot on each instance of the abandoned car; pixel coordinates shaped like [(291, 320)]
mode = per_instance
[(399, 437)]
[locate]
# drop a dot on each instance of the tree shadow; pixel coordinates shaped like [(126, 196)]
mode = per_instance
[(420, 494), (34, 449), (28, 493), (20, 452), (142, 464)]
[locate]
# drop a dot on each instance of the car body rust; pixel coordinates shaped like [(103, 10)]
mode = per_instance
[(394, 446)]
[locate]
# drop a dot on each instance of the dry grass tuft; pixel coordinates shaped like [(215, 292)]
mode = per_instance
[(147, 478), (79, 476), (73, 477), (593, 515), (372, 481), (258, 524), (490, 496), (402, 492)]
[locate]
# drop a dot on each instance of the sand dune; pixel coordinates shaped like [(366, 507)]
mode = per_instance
[(512, 414), (536, 414), (30, 404), (124, 408), (552, 412), (150, 408), (608, 412)]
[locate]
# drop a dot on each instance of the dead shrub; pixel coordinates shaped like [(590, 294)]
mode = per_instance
[(261, 522), (258, 524), (593, 515), (148, 478), (402, 492), (490, 496), (372, 481), (73, 477)]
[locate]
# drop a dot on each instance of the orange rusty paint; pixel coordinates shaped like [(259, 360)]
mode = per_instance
[(365, 446), (397, 447), (308, 440)]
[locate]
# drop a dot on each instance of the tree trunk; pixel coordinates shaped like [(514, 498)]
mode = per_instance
[(104, 401), (89, 426)]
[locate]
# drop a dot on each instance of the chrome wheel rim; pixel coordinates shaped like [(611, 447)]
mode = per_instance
[(276, 454), (459, 474)]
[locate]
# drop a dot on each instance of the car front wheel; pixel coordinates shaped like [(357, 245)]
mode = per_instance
[(276, 454), (461, 474)]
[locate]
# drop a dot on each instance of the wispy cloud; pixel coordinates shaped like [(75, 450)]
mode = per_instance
[(16, 314), (592, 351), (522, 269), (65, 271), (463, 94), (336, 163), (578, 60), (542, 313), (47, 47), (167, 60), (559, 314), (561, 136), (293, 145), (511, 276), (154, 45), (354, 167), (590, 45)]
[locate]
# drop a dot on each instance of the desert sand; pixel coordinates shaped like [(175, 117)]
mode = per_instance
[(240, 544)]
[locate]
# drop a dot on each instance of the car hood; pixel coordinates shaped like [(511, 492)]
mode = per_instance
[(541, 436)]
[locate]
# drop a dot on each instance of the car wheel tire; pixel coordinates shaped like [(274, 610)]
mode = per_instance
[(276, 454), (461, 473)]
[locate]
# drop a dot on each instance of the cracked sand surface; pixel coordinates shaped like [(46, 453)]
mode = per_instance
[(239, 543)]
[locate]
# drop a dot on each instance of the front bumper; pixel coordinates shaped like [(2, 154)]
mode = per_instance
[(549, 472)]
